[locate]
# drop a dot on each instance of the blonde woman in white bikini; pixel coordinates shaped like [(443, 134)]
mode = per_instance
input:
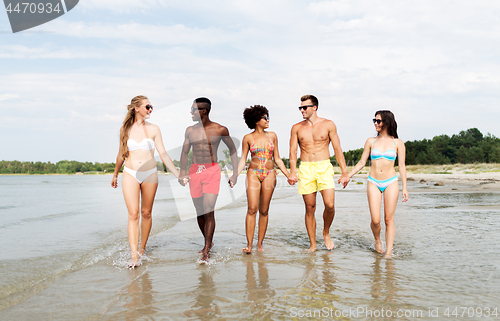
[(138, 140)]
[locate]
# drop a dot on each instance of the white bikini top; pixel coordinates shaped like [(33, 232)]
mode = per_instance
[(145, 144)]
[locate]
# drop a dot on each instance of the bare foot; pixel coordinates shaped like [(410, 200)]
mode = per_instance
[(378, 247), (247, 250), (142, 251), (134, 262), (205, 257), (312, 248), (260, 248), (203, 249), (328, 241)]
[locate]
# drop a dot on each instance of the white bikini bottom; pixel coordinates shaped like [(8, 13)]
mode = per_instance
[(140, 176)]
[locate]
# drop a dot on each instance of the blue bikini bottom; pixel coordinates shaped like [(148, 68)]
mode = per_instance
[(382, 185)]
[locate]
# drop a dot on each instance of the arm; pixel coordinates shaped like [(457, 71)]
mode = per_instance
[(186, 146), (339, 155), (118, 166), (163, 153), (294, 141), (277, 158), (234, 155), (362, 161), (402, 167), (244, 154)]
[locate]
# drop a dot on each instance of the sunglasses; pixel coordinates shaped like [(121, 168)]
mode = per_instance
[(148, 107), (195, 108), (305, 107), (378, 121), (266, 118)]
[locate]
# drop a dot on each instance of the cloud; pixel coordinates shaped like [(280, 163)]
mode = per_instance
[(8, 96), (434, 60), (177, 34), (50, 52)]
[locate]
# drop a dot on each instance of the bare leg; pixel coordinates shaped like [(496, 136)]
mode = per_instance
[(198, 204), (148, 192), (374, 202), (209, 228), (328, 215), (253, 195), (131, 190), (310, 203), (266, 193), (391, 195)]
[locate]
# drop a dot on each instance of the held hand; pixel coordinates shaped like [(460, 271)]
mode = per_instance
[(232, 181), (183, 180), (114, 182), (405, 195), (344, 180), (292, 179)]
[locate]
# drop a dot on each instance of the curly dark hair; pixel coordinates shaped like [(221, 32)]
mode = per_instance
[(254, 114), (389, 122)]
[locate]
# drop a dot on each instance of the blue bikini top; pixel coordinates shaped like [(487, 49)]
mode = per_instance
[(389, 154)]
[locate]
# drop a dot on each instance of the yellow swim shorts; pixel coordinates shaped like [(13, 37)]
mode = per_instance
[(315, 176)]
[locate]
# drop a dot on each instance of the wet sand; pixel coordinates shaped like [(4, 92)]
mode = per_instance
[(430, 269)]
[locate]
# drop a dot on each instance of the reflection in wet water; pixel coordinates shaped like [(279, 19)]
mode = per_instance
[(205, 304), (384, 286), (138, 297)]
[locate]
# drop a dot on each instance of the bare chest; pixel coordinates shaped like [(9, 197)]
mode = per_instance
[(313, 134), (201, 137)]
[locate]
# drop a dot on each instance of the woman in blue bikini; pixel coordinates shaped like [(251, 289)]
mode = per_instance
[(382, 179), (138, 140)]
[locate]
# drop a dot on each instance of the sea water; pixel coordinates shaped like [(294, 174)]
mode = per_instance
[(65, 248)]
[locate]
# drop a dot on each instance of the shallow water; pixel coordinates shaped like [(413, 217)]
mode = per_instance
[(65, 250)]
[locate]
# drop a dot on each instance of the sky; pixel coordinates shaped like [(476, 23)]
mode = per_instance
[(65, 85)]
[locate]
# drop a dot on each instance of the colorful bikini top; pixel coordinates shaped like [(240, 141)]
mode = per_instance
[(145, 144), (262, 153), (389, 154)]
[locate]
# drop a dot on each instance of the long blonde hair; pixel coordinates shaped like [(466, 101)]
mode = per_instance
[(128, 122)]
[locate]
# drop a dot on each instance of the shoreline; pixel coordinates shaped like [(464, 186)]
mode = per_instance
[(449, 183)]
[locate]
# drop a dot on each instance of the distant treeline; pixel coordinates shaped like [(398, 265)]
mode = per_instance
[(469, 146), (61, 167)]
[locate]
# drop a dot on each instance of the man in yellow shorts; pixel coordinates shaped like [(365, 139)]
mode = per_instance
[(314, 135)]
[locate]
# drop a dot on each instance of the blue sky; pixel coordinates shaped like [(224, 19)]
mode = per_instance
[(64, 85)]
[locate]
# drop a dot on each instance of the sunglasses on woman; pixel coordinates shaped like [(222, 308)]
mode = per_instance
[(266, 118), (148, 107), (378, 121)]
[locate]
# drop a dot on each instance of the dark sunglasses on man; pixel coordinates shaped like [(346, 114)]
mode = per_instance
[(195, 108), (305, 107)]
